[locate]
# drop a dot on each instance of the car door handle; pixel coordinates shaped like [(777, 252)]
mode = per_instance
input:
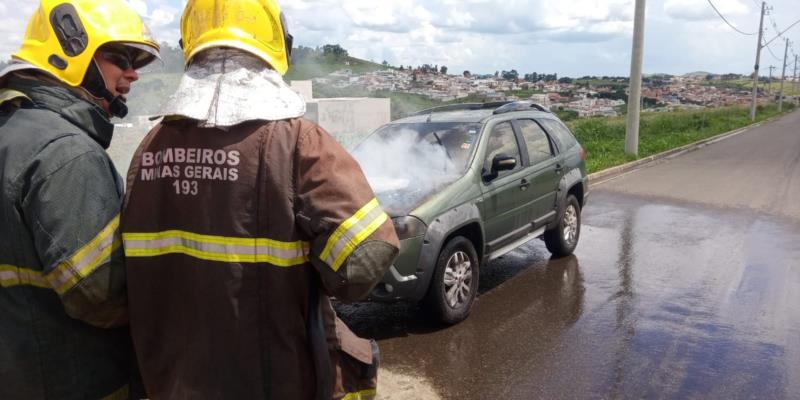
[(523, 184)]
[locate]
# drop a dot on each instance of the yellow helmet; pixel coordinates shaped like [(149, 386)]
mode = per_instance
[(255, 26), (63, 36)]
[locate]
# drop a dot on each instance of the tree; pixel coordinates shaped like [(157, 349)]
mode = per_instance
[(443, 70), (730, 77), (302, 54), (467, 74), (512, 75), (565, 80), (334, 50), (429, 69)]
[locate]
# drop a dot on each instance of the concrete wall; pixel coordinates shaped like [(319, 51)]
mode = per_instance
[(304, 88), (349, 119)]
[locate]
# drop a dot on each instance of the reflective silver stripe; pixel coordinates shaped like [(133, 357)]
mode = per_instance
[(16, 276), (351, 233), (216, 248), (86, 260)]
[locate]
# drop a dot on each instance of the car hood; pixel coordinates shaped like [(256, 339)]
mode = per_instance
[(399, 196)]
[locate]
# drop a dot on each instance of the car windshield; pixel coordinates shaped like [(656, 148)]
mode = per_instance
[(406, 163)]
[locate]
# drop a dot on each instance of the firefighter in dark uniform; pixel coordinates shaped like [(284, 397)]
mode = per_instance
[(240, 220), (62, 281)]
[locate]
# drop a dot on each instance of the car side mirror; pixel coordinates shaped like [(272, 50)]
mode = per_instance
[(500, 162)]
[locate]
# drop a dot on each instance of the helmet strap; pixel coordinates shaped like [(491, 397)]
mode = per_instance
[(95, 84)]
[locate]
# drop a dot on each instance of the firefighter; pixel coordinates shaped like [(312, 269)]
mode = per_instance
[(240, 220), (62, 281)]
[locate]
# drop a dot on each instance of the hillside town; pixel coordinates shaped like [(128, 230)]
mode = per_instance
[(604, 98)]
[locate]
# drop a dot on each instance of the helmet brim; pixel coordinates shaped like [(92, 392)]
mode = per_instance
[(142, 54)]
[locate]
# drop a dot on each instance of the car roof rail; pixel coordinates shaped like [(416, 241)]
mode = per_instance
[(463, 107), (522, 105)]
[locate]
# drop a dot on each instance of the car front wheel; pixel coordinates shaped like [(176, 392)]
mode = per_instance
[(455, 281), (562, 239)]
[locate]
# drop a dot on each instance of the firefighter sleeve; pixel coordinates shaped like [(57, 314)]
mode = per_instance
[(353, 241), (72, 210)]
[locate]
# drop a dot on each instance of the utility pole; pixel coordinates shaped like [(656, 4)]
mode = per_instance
[(758, 59), (795, 76), (635, 84), (783, 75), (769, 82)]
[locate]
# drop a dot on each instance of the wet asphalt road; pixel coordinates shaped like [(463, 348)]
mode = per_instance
[(685, 284)]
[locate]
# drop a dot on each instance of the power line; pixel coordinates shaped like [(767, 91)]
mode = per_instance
[(780, 33), (770, 52), (726, 21)]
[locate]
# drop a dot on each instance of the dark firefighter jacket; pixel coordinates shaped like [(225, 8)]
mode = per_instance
[(61, 273), (228, 236)]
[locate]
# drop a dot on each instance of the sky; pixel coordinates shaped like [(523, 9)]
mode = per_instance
[(568, 37)]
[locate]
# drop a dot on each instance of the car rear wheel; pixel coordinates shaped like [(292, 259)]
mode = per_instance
[(562, 240), (455, 281)]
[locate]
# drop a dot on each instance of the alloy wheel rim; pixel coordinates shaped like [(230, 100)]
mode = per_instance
[(458, 279), (570, 224)]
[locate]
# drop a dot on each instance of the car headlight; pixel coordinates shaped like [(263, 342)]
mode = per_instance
[(408, 227)]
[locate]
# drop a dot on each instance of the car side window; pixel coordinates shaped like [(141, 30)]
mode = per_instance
[(561, 133), (502, 141), (536, 140)]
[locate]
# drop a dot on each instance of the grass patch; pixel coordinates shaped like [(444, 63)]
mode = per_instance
[(789, 88), (604, 138)]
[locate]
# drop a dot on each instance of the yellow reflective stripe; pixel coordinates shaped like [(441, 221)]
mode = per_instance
[(351, 233), (216, 248), (345, 226), (10, 95), (221, 257), (16, 276), (367, 394), (86, 260), (119, 394), (359, 237)]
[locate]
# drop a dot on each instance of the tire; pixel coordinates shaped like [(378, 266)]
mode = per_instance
[(456, 267), (562, 240)]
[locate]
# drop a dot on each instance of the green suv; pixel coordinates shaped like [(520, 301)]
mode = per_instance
[(465, 184)]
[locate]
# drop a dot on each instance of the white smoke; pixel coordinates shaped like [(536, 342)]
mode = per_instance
[(404, 170)]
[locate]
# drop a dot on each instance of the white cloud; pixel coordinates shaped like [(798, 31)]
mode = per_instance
[(139, 5), (694, 10), (162, 17), (571, 37), (13, 20)]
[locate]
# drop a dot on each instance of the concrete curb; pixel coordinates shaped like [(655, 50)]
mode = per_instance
[(608, 174)]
